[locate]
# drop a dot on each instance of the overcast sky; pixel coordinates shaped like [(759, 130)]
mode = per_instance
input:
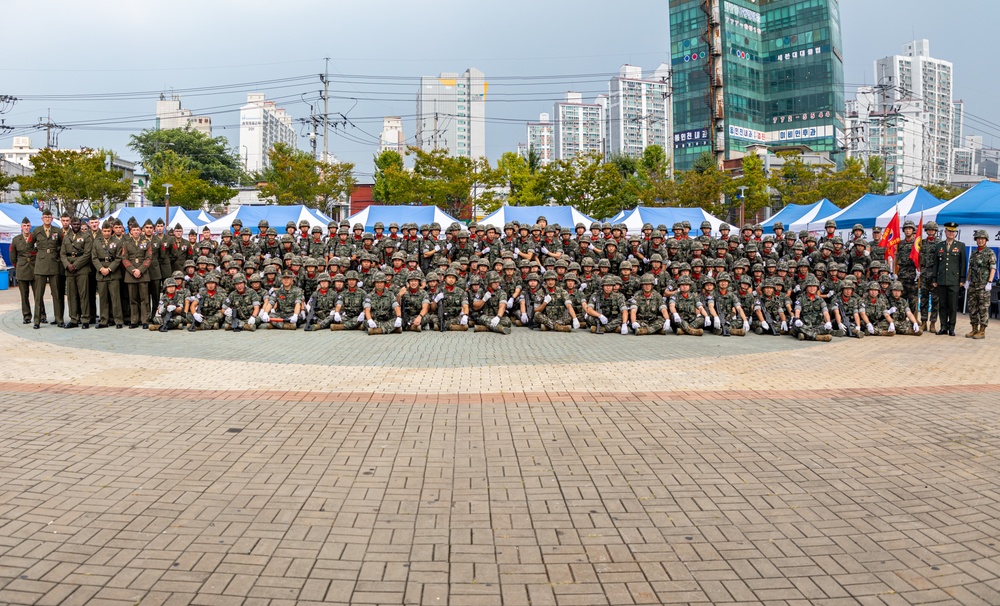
[(74, 49)]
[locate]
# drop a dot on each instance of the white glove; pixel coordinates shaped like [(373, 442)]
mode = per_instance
[(765, 326), (437, 248), (264, 317), (336, 317), (187, 278), (868, 253), (891, 310), (583, 286), (603, 319), (545, 251), (677, 319), (448, 245), (372, 324), (517, 251), (510, 303), (828, 326), (746, 325), (361, 317), (267, 256), (916, 327), (251, 321), (624, 329), (797, 288), (524, 318), (198, 317), (798, 323), (631, 257), (228, 313), (293, 319), (989, 286), (666, 325), (842, 326), (360, 283), (635, 326), (892, 327), (171, 308), (871, 329), (708, 321), (495, 322), (784, 326), (464, 320), (438, 297), (485, 250), (308, 307), (487, 296), (918, 274), (966, 284), (547, 299), (576, 323), (645, 260), (398, 323), (716, 323)]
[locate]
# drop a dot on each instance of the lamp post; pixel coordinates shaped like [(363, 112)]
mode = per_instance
[(743, 197), (166, 217)]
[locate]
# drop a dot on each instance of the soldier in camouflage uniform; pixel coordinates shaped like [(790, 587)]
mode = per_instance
[(490, 305), (283, 308), (172, 302), (382, 312), (771, 302), (207, 311), (455, 301), (879, 320), (812, 318), (927, 307), (906, 269), (414, 303), (531, 298), (687, 310), (846, 308), (349, 314), (242, 303), (899, 309), (729, 307), (648, 311), (551, 312), (607, 310), (322, 302), (979, 283)]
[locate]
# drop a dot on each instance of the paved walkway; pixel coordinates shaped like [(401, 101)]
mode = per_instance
[(284, 468)]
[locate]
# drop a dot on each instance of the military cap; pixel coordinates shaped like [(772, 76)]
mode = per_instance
[(931, 226), (980, 233), (211, 277), (646, 279), (433, 276), (951, 226), (571, 276), (256, 278), (169, 283), (533, 276), (46, 213), (287, 274), (876, 229), (625, 265), (105, 225), (656, 257), (239, 279), (352, 275), (147, 222)]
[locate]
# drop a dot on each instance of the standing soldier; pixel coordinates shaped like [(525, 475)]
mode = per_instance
[(155, 277), (979, 283), (76, 260), (48, 240), (949, 274), (907, 269), (106, 257), (22, 257), (136, 259)]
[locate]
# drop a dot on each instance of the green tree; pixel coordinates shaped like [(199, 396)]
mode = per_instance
[(653, 184), (703, 186), (6, 181), (943, 192), (211, 159), (534, 160), (441, 180), (756, 195), (75, 181), (295, 177), (878, 182), (390, 178), (845, 186), (513, 172), (187, 189), (795, 181)]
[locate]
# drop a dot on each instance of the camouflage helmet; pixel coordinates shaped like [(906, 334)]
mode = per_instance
[(550, 275), (820, 267), (475, 279), (646, 279), (812, 281), (909, 223), (608, 281), (685, 281), (861, 242), (379, 225), (768, 283), (338, 277), (656, 257), (857, 267), (830, 223), (604, 263), (625, 265), (492, 276), (271, 269), (169, 283), (378, 277), (533, 276), (177, 275), (352, 275), (571, 276), (509, 264), (897, 285), (239, 279), (708, 280), (980, 233), (873, 285), (884, 279), (685, 266), (256, 278), (931, 226), (204, 259), (368, 236), (271, 232), (414, 275), (746, 280), (723, 277), (317, 229), (858, 226), (225, 233), (211, 277), (848, 283)]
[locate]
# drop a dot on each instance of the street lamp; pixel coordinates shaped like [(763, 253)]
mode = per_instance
[(743, 196), (166, 217)]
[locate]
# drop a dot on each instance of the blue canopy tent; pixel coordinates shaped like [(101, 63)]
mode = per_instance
[(401, 214), (10, 224), (979, 205), (801, 213), (276, 217), (872, 210), (565, 216), (635, 219)]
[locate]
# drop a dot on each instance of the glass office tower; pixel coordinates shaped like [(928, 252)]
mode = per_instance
[(755, 73)]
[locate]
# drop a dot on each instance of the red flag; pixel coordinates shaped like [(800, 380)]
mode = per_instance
[(890, 239), (915, 251)]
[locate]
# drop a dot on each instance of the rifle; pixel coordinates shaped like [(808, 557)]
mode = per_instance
[(197, 310), (440, 313), (726, 332), (768, 318), (529, 310), (235, 319), (597, 308), (311, 314), (165, 319), (848, 326)]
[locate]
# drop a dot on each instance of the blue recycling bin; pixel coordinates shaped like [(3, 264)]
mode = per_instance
[(4, 279)]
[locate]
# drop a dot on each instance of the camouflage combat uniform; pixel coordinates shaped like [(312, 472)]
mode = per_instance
[(981, 262), (382, 307), (352, 305), (210, 308), (811, 313), (243, 306), (649, 310)]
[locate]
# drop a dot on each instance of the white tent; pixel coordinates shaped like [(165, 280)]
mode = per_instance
[(188, 219), (401, 214), (635, 219), (871, 210), (565, 216), (276, 217)]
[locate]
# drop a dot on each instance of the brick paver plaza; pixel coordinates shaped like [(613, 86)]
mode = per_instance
[(466, 469)]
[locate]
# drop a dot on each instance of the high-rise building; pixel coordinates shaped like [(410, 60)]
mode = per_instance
[(749, 73), (638, 111), (894, 133), (451, 113), (169, 115), (262, 125), (916, 75), (579, 127), (540, 139), (392, 135)]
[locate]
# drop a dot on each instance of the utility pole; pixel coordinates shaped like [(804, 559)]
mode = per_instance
[(52, 131), (166, 208), (326, 110)]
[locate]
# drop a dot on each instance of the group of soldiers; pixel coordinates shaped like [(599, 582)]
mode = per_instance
[(540, 276)]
